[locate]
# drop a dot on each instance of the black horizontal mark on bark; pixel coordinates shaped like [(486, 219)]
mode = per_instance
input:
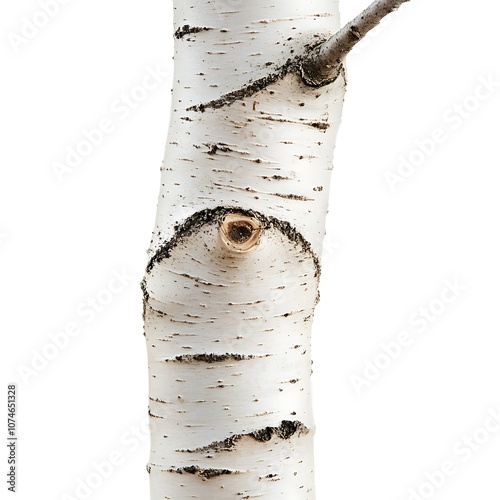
[(293, 197), (213, 358), (213, 148), (318, 125), (286, 430), (272, 477), (276, 177), (249, 90), (289, 313), (204, 473), (152, 415), (156, 400), (187, 30)]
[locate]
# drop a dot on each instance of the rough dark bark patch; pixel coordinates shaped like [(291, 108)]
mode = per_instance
[(319, 125), (212, 358), (187, 30), (276, 177), (211, 215), (204, 473), (213, 148), (286, 430), (145, 300), (293, 197)]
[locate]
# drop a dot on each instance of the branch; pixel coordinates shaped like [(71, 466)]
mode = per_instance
[(324, 64)]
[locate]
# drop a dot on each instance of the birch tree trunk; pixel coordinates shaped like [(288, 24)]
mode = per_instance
[(232, 281)]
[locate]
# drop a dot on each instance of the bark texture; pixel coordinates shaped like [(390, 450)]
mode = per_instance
[(228, 332)]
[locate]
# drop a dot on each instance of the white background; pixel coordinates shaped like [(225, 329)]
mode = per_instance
[(389, 252)]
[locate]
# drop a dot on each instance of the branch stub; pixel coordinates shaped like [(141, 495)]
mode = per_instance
[(239, 233)]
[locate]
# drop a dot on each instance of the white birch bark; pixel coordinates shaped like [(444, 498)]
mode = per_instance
[(228, 332)]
